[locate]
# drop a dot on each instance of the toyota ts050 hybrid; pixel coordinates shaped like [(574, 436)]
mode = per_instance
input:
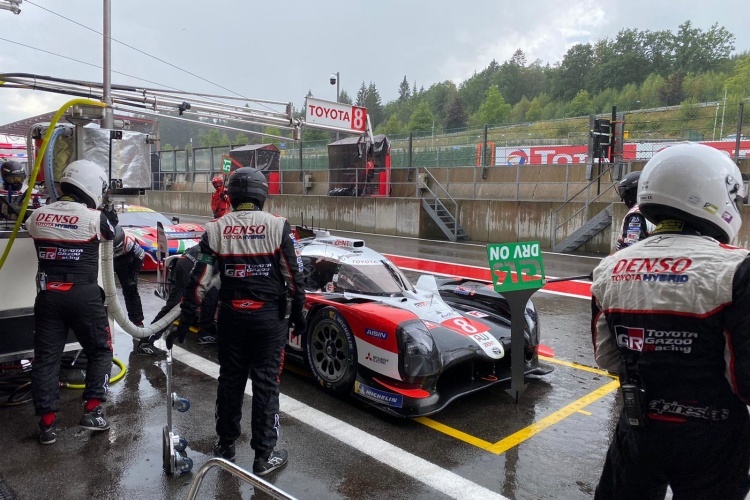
[(140, 223), (407, 350)]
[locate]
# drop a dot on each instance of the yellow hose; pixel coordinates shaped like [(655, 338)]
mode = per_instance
[(37, 164), (114, 379)]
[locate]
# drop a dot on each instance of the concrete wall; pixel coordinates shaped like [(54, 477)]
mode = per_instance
[(509, 204)]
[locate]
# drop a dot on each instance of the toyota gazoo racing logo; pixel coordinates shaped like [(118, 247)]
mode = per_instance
[(656, 270), (649, 340), (518, 157), (251, 232)]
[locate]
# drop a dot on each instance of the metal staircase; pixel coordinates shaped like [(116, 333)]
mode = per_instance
[(596, 224), (443, 211)]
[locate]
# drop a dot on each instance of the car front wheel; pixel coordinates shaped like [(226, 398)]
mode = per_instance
[(332, 351)]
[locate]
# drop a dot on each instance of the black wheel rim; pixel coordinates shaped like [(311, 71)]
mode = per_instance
[(329, 351)]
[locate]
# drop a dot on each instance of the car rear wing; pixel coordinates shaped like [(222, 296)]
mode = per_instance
[(306, 235)]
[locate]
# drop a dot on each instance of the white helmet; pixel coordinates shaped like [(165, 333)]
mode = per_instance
[(697, 184), (85, 180)]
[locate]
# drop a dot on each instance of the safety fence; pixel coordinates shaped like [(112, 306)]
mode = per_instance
[(546, 142)]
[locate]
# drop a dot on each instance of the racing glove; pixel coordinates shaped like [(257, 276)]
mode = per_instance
[(111, 214), (178, 332), (297, 323)]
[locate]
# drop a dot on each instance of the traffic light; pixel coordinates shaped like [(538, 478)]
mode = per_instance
[(602, 138)]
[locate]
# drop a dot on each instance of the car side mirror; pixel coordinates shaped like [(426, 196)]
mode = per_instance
[(176, 220)]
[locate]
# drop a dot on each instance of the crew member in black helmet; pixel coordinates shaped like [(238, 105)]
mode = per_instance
[(634, 227), (259, 267)]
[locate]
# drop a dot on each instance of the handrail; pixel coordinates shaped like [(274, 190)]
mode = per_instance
[(239, 472), (454, 212), (587, 188)]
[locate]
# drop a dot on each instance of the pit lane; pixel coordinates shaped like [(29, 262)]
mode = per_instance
[(550, 445)]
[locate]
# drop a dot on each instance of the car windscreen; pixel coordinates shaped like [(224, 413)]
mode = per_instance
[(370, 277), (147, 219)]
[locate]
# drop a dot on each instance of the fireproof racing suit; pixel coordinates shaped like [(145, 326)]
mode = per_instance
[(66, 236), (179, 276), (259, 268), (220, 202), (671, 316), (128, 262), (634, 228)]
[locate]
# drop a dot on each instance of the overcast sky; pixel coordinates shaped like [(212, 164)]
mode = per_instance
[(278, 50)]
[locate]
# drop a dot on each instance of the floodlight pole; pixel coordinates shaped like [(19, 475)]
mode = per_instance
[(108, 121)]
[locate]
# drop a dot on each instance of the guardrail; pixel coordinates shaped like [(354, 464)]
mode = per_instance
[(239, 472)]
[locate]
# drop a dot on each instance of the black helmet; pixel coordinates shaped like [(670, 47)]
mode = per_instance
[(119, 242), (628, 188), (247, 184), (13, 175)]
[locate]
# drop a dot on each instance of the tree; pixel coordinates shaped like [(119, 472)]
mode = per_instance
[(240, 139), (739, 82), (696, 51), (534, 112), (373, 105), (581, 104), (361, 95), (392, 126), (212, 138), (403, 90), (456, 116), (272, 140), (672, 93), (652, 90), (344, 97), (574, 71), (422, 119), (519, 110), (494, 110)]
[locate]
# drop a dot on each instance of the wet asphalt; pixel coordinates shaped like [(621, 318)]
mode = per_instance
[(549, 445)]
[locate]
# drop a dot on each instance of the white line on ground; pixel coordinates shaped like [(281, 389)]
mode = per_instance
[(413, 466)]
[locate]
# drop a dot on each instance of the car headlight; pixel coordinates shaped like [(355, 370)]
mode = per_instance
[(418, 355)]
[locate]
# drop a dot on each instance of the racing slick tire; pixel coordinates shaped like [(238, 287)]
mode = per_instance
[(332, 351)]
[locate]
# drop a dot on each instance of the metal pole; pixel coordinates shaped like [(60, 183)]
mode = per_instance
[(723, 111), (338, 84), (108, 121), (739, 134), (716, 118)]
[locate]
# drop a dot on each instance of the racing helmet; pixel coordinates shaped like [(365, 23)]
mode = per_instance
[(694, 183), (85, 180), (628, 188), (13, 175), (217, 182), (247, 184), (119, 242)]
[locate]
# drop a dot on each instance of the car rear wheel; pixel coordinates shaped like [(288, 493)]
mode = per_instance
[(332, 351)]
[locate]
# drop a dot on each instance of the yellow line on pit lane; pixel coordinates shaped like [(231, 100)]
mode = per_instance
[(578, 366), (514, 439), (518, 437)]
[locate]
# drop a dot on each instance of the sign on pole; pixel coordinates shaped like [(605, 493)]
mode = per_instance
[(227, 165), (336, 114), (517, 272), (516, 266)]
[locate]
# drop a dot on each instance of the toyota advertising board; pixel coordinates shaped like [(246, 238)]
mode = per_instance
[(565, 154), (336, 115)]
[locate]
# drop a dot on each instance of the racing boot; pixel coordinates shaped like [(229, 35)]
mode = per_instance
[(48, 433), (225, 451), (94, 420), (147, 348), (272, 461)]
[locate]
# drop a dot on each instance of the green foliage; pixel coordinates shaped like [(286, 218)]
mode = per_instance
[(393, 126), (240, 139), (581, 104), (422, 119), (494, 110), (739, 82), (689, 109), (212, 138)]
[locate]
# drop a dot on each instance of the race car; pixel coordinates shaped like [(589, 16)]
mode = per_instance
[(141, 224), (407, 350)]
